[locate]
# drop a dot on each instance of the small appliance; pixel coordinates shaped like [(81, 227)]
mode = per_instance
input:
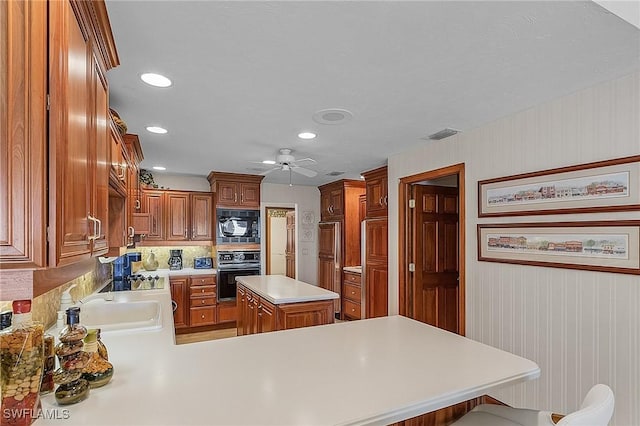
[(203, 263), (237, 226), (175, 259)]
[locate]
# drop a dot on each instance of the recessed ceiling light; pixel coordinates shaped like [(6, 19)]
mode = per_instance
[(156, 129), (268, 162), (307, 135), (156, 80), (361, 177), (332, 116), (159, 168)]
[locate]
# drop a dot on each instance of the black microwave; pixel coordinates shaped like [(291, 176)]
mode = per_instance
[(237, 226)]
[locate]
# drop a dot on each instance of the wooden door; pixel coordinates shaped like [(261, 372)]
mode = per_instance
[(249, 195), (177, 216), (23, 140), (179, 301), (153, 203), (69, 138), (101, 163), (201, 217), (290, 250), (376, 267), (435, 284)]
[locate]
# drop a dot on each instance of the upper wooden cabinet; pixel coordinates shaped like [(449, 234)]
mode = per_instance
[(340, 198), (377, 193), (234, 190), (178, 216)]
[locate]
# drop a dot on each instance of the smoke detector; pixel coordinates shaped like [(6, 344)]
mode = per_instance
[(332, 116)]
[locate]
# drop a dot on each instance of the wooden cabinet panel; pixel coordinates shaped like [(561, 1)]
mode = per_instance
[(202, 291), (241, 301), (23, 142), (351, 309), (352, 278), (235, 190), (296, 315), (228, 311), (249, 195), (203, 301), (227, 194), (69, 138), (352, 296), (201, 217), (353, 292), (266, 316), (377, 193), (177, 216), (153, 203), (251, 318), (377, 290), (198, 280), (179, 301)]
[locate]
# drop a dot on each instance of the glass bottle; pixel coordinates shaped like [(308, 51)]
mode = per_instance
[(102, 349), (21, 359), (98, 371), (73, 388), (46, 384)]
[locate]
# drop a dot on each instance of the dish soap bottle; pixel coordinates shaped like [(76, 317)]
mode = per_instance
[(21, 359), (73, 359), (150, 263), (98, 371)]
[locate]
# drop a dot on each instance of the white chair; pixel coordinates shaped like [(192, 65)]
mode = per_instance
[(596, 410)]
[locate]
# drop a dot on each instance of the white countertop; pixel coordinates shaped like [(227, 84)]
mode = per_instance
[(354, 269), (279, 289), (374, 371)]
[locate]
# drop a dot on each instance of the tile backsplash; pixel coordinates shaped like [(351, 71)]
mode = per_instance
[(188, 254)]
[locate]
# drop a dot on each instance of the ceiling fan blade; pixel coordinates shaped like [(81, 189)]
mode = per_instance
[(266, 172), (303, 171), (305, 160)]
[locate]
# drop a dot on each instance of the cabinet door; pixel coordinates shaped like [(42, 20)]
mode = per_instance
[(251, 319), (249, 195), (241, 300), (227, 194), (337, 202), (376, 267), (179, 301), (201, 217), (266, 316), (177, 216), (377, 197), (153, 203), (23, 86), (69, 139), (101, 159), (325, 203)]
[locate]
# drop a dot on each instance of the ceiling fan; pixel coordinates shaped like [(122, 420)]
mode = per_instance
[(288, 163)]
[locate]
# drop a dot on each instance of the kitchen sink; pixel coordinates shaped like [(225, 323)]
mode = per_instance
[(109, 315)]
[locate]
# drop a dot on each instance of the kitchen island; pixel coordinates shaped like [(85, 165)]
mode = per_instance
[(276, 302), (374, 371)]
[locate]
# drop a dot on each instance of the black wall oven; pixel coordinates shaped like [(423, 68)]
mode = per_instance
[(232, 264)]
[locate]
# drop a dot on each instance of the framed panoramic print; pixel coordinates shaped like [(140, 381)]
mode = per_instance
[(605, 246), (604, 186)]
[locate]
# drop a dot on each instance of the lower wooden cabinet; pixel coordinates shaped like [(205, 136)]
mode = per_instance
[(258, 315), (352, 296), (194, 300)]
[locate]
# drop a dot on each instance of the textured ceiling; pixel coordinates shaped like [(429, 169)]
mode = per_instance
[(248, 76)]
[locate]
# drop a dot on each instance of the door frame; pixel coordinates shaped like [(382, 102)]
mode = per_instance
[(266, 257), (404, 238)]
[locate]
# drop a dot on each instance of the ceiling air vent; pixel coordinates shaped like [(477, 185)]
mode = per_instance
[(335, 173), (444, 133)]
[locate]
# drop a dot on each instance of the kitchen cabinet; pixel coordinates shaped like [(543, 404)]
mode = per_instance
[(179, 286), (235, 191), (376, 267), (53, 62), (23, 87), (183, 216), (351, 295), (241, 300), (266, 316), (227, 311), (377, 193)]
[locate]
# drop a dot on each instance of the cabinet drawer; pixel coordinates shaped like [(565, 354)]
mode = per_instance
[(205, 290), (203, 316), (351, 278), (352, 292), (198, 280), (351, 309), (203, 301)]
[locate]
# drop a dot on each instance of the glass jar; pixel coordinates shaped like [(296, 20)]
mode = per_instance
[(98, 371), (46, 384), (73, 359), (21, 360)]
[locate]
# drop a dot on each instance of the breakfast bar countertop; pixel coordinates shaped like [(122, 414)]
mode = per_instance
[(279, 289), (390, 368)]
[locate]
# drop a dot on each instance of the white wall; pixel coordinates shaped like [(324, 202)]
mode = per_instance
[(303, 199), (580, 327), (181, 182)]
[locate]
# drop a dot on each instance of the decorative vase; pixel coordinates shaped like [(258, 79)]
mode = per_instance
[(150, 263)]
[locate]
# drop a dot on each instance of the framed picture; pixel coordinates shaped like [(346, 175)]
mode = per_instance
[(604, 186), (605, 246)]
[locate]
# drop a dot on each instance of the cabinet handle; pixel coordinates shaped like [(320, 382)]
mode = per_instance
[(202, 316), (242, 197), (202, 302), (137, 205), (235, 197), (202, 290), (132, 231), (386, 200), (353, 292), (95, 227), (99, 228), (174, 305)]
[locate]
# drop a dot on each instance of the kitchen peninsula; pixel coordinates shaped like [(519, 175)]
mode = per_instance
[(276, 302), (290, 377)]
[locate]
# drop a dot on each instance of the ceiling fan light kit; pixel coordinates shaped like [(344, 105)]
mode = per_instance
[(287, 163)]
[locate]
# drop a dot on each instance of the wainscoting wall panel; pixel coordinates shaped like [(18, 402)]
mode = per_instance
[(581, 327)]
